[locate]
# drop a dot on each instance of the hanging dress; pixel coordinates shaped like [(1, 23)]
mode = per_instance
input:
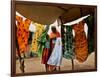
[(81, 44), (42, 41), (37, 34), (22, 33), (90, 23), (68, 44)]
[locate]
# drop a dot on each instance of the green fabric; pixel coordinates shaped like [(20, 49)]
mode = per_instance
[(90, 23), (42, 41), (68, 44)]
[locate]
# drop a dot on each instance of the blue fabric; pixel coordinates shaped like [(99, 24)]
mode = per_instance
[(47, 44), (56, 55)]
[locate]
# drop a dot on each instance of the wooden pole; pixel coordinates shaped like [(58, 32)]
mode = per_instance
[(72, 64)]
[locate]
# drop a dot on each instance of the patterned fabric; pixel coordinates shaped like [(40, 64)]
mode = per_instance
[(81, 44), (22, 33), (37, 34), (68, 44), (41, 43)]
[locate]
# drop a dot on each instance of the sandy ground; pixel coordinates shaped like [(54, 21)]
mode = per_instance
[(34, 64)]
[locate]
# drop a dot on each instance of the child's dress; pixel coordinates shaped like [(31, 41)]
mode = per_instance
[(45, 54)]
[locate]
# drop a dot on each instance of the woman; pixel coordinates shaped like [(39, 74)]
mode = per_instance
[(55, 50)]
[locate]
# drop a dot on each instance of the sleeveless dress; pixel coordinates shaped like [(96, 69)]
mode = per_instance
[(90, 22), (37, 34), (22, 33), (81, 44), (45, 53), (68, 44)]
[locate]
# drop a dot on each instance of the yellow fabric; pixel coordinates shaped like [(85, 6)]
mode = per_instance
[(39, 30)]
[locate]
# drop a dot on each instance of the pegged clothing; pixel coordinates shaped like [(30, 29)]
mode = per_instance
[(68, 44), (22, 33), (81, 44)]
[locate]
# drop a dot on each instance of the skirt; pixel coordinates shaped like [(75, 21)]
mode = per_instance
[(45, 55)]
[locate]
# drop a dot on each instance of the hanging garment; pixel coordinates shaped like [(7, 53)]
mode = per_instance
[(22, 33), (56, 55), (37, 33), (90, 23), (81, 44), (68, 44), (41, 43), (63, 38)]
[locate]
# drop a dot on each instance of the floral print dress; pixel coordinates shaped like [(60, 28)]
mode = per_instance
[(22, 33)]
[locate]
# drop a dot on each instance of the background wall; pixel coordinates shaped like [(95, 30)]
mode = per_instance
[(5, 38)]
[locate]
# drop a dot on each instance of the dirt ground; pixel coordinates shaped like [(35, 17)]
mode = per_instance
[(34, 64)]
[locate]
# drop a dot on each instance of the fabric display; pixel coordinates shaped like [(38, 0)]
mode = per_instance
[(90, 24), (37, 33), (32, 37), (68, 44), (22, 33), (81, 44), (41, 42)]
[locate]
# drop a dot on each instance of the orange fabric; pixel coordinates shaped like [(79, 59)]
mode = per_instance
[(81, 44), (22, 33)]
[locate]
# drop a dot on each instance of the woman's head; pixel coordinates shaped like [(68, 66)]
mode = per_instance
[(53, 28)]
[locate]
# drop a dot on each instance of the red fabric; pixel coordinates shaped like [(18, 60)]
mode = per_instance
[(45, 56)]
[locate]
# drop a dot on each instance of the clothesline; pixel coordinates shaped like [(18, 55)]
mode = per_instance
[(33, 29), (77, 21)]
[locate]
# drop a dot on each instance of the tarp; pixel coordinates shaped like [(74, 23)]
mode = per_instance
[(48, 14)]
